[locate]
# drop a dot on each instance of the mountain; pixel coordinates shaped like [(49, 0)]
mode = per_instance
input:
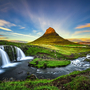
[(52, 38)]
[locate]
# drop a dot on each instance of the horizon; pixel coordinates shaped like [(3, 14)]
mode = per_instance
[(25, 21)]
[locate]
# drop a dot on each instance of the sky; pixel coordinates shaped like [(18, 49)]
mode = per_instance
[(27, 20)]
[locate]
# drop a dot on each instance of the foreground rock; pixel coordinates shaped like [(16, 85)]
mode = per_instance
[(31, 77)]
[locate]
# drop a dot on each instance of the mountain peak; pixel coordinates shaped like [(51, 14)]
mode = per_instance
[(50, 30)]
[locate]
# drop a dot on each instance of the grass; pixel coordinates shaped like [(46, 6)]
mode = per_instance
[(68, 50), (77, 80), (43, 63)]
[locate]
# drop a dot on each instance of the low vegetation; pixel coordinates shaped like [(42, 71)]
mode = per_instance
[(51, 56), (77, 80), (43, 63)]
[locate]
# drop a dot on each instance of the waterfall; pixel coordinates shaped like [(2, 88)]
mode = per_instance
[(5, 59), (21, 55)]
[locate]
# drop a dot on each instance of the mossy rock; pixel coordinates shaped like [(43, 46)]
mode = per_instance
[(88, 60), (31, 77)]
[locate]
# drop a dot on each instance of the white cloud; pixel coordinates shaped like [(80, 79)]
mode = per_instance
[(6, 29), (22, 27), (42, 22), (34, 31), (39, 33), (6, 23)]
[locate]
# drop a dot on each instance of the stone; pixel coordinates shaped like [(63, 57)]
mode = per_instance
[(20, 72), (31, 77), (11, 79)]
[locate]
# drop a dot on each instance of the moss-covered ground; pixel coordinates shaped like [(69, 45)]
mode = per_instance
[(43, 63)]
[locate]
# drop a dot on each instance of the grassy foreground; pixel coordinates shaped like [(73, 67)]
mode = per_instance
[(77, 80), (43, 63)]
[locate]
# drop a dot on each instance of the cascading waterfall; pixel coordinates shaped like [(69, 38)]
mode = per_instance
[(5, 60), (21, 55), (2, 47), (4, 57)]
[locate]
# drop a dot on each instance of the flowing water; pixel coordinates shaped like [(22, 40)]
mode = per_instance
[(19, 72), (21, 55), (5, 61)]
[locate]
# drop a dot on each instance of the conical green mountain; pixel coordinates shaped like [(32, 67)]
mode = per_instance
[(52, 38)]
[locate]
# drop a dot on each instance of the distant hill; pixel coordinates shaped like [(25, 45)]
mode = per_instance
[(85, 43), (52, 38)]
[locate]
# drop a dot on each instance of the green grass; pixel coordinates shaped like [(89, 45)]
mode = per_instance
[(54, 51), (72, 50), (79, 83), (73, 81), (41, 63)]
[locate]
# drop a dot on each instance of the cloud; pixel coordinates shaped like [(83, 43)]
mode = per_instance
[(78, 32), (42, 21), (3, 37), (39, 33), (34, 31), (6, 29), (23, 35), (18, 41), (5, 7), (22, 27), (79, 39), (83, 26), (6, 23)]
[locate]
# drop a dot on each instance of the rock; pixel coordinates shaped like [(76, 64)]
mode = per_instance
[(31, 77), (41, 77), (30, 65), (28, 73), (11, 79), (20, 72)]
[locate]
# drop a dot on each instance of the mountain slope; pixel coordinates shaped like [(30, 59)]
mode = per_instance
[(52, 38)]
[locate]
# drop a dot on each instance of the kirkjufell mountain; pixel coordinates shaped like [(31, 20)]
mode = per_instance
[(52, 38)]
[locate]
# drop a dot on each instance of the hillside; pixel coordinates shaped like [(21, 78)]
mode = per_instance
[(52, 38)]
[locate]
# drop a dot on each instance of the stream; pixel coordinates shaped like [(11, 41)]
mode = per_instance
[(19, 72)]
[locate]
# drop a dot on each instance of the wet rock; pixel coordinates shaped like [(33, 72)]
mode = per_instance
[(11, 79), (28, 73), (30, 65), (31, 77), (20, 72), (41, 77)]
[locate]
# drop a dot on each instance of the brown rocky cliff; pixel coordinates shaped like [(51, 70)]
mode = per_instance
[(50, 30)]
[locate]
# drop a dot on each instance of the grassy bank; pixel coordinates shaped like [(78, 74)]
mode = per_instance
[(43, 63), (77, 80), (60, 52)]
